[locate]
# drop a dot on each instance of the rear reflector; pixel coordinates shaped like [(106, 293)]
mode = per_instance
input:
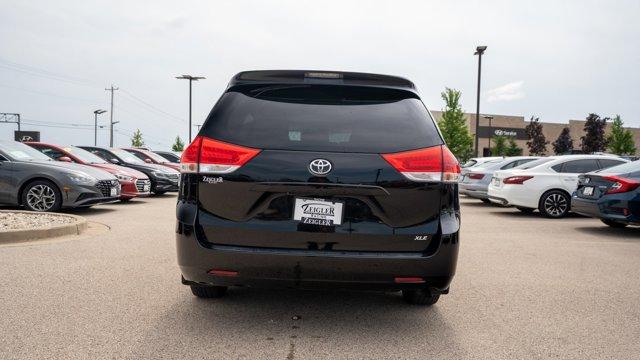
[(621, 185), (436, 163), (409, 280), (516, 180), (218, 272), (209, 156), (476, 176)]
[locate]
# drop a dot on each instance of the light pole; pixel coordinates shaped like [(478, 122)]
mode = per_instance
[(191, 80), (479, 51), (95, 125), (489, 117)]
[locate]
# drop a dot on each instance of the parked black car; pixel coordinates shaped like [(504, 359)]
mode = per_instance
[(612, 195), (33, 180), (163, 179), (313, 179)]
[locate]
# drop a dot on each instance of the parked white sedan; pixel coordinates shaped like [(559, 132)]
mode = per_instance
[(546, 184)]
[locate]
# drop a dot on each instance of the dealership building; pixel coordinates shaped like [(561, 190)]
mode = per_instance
[(513, 126)]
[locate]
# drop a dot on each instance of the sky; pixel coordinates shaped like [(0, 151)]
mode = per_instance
[(557, 60)]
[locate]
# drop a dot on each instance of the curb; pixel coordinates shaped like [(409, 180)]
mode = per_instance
[(14, 236)]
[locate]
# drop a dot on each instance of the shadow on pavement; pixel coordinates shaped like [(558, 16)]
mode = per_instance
[(249, 320), (629, 233)]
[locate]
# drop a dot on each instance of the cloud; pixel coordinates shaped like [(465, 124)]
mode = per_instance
[(508, 92)]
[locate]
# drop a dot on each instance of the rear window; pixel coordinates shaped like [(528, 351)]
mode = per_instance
[(532, 164), (323, 118), (632, 168)]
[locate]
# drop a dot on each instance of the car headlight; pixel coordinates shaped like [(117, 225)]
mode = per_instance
[(82, 179), (160, 174), (123, 177)]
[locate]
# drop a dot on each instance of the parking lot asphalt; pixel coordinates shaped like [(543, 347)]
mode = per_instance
[(526, 288)]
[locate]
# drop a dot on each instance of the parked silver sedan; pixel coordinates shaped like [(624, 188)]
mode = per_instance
[(33, 180), (475, 181)]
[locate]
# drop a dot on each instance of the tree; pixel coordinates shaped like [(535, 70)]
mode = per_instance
[(136, 140), (513, 149), (178, 145), (594, 139), (564, 142), (499, 145), (537, 143), (620, 141), (454, 126)]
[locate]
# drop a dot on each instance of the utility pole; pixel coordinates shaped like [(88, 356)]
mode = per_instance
[(479, 51), (191, 80), (95, 125), (111, 122)]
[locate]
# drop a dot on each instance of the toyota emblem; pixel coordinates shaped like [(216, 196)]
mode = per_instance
[(319, 167)]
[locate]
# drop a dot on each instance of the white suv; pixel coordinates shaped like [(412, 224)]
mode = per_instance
[(546, 184)]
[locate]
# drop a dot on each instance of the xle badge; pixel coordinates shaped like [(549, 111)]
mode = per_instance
[(421, 237), (211, 180)]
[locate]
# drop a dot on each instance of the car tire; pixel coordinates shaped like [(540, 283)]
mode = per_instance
[(486, 201), (159, 192), (614, 224), (209, 292), (125, 200), (420, 297), (525, 210), (42, 196), (554, 204)]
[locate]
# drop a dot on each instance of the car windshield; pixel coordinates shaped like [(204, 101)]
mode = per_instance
[(532, 164), (126, 156), (626, 168), (84, 155), (21, 152), (155, 157), (323, 118)]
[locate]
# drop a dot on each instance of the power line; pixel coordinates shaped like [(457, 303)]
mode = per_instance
[(35, 71), (152, 107), (50, 94)]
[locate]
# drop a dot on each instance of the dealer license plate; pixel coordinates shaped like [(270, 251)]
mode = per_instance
[(318, 212), (588, 190), (114, 191)]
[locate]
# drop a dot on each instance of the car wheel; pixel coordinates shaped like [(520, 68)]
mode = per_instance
[(420, 297), (554, 204), (125, 200), (208, 292), (486, 201), (159, 192), (42, 196), (525, 209), (614, 224)]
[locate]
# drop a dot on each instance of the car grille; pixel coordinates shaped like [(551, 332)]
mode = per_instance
[(173, 176), (140, 184), (105, 186)]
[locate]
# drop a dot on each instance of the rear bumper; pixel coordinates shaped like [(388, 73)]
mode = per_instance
[(613, 207), (312, 269), (474, 193)]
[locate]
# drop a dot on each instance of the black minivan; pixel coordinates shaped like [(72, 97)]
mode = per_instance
[(314, 179)]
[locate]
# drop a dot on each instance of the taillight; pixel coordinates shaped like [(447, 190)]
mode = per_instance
[(209, 156), (476, 176), (516, 180), (621, 185), (436, 163)]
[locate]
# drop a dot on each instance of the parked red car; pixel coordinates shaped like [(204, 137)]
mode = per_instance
[(152, 158), (133, 182)]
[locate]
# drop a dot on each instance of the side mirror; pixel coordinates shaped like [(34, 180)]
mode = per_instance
[(65, 159), (148, 161), (114, 161)]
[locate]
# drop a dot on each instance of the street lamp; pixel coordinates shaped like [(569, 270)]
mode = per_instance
[(489, 117), (479, 51), (95, 125), (191, 79)]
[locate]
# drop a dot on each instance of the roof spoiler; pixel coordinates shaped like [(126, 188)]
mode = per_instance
[(318, 77)]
